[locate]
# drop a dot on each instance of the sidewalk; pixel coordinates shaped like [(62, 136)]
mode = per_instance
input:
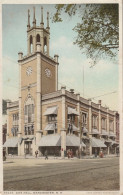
[(60, 158)]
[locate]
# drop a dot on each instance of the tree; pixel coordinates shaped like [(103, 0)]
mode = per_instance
[(98, 31), (4, 107)]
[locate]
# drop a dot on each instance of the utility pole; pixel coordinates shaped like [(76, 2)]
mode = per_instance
[(83, 80)]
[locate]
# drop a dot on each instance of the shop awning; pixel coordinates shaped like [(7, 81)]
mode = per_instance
[(51, 110), (107, 141), (97, 143), (95, 131), (112, 134), (114, 142), (72, 111), (104, 132), (50, 127), (55, 140), (75, 128), (85, 137), (50, 140), (84, 130), (73, 140), (11, 142)]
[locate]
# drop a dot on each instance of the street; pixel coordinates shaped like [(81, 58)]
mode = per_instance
[(61, 174)]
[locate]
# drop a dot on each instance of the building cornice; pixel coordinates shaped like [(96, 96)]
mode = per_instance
[(33, 56), (38, 28), (27, 58), (52, 100)]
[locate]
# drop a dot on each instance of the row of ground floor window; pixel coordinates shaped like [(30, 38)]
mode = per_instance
[(58, 145), (56, 151)]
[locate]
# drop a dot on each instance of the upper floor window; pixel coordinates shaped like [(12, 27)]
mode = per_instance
[(111, 125), (29, 130), (94, 121), (84, 118), (15, 119), (103, 123), (14, 131), (29, 111), (71, 118), (52, 117)]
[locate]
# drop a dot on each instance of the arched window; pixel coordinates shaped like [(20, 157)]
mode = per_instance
[(38, 38), (31, 43), (29, 116)]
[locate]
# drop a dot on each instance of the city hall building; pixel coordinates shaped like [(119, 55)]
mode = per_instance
[(45, 118)]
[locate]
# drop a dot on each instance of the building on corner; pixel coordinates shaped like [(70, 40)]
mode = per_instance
[(45, 118)]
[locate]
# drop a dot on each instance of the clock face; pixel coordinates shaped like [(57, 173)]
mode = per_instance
[(29, 70), (48, 72)]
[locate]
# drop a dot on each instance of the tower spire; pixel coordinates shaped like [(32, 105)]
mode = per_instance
[(48, 21), (28, 24), (42, 23), (34, 20)]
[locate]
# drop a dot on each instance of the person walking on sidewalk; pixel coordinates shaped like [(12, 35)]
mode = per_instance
[(36, 153), (46, 155)]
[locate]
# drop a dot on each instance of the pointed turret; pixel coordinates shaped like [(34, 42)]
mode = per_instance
[(42, 23), (28, 25), (34, 20), (48, 28)]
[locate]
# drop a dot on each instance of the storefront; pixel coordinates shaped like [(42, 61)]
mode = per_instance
[(11, 146)]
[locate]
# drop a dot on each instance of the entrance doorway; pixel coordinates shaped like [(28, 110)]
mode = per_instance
[(27, 147)]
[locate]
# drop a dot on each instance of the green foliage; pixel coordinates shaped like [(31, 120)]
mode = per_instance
[(98, 31)]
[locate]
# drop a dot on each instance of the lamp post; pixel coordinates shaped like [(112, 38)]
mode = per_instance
[(81, 136), (80, 142)]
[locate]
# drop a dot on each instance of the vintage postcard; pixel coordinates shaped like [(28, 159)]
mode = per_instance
[(61, 87)]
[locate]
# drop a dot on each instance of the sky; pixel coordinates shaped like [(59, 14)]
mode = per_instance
[(101, 80)]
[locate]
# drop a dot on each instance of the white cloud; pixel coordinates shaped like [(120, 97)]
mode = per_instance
[(10, 74)]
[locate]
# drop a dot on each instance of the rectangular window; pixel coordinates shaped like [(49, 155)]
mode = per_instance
[(52, 118), (94, 121), (84, 118), (111, 125)]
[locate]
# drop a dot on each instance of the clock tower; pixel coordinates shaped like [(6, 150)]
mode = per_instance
[(38, 76)]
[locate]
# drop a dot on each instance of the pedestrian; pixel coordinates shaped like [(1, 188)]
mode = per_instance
[(95, 153), (101, 154), (59, 152), (68, 153), (64, 153), (36, 153), (46, 155)]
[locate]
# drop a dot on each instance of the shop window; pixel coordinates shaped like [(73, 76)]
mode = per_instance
[(50, 132)]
